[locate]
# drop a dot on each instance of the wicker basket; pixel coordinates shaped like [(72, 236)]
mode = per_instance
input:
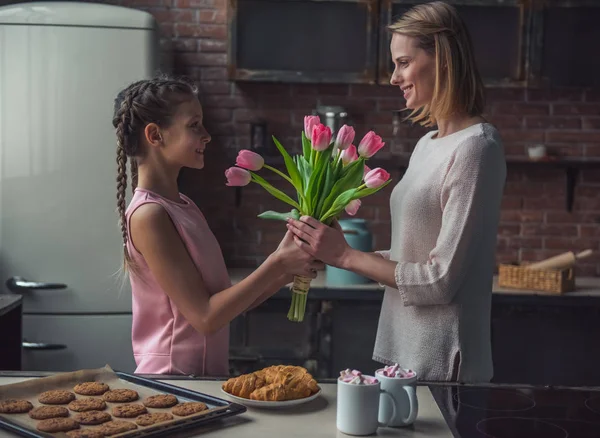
[(549, 280)]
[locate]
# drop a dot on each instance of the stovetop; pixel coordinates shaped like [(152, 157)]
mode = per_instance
[(498, 412)]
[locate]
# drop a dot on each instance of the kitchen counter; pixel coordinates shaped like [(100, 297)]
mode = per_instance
[(9, 302), (11, 323), (587, 287), (315, 419)]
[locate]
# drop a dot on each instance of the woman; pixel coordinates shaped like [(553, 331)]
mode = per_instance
[(435, 317)]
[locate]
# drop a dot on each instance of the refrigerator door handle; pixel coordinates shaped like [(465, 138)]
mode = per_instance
[(19, 285), (42, 346)]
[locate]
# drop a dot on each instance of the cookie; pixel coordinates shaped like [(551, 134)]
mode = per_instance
[(54, 425), (116, 426), (120, 395), (129, 410), (56, 397), (85, 433), (92, 417), (161, 401), (91, 388), (45, 412), (150, 419), (12, 406), (188, 408), (87, 404)]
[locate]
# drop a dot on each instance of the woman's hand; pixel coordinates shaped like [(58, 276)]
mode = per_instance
[(294, 261), (322, 242)]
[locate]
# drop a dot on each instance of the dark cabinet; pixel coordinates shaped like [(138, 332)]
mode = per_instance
[(570, 32), (303, 41), (516, 42), (498, 30)]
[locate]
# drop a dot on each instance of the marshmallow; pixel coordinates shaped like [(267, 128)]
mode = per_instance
[(397, 371), (355, 377)]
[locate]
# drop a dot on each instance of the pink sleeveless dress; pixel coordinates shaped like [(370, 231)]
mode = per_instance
[(163, 341)]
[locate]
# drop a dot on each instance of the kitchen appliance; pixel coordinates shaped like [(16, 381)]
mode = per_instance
[(61, 66), (519, 412), (332, 116), (359, 237)]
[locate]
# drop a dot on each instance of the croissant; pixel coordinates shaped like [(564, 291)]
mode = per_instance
[(275, 383), (244, 385)]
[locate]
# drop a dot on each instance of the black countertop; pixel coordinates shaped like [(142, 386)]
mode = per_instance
[(9, 302)]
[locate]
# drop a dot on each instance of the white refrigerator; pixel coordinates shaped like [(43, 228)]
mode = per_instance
[(61, 66)]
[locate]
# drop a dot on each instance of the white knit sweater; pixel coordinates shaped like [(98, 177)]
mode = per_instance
[(444, 215)]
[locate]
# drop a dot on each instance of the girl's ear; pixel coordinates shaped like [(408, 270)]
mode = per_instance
[(153, 134)]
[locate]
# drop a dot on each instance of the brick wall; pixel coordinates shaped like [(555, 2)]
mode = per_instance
[(535, 223)]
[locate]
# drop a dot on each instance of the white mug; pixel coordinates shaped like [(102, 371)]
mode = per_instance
[(404, 399), (358, 408)]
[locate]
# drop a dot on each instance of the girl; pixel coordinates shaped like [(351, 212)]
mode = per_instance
[(435, 316), (183, 300)]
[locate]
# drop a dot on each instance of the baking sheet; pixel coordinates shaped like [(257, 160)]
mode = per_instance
[(31, 389)]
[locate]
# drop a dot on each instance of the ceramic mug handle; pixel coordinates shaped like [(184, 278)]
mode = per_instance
[(413, 407), (384, 393)]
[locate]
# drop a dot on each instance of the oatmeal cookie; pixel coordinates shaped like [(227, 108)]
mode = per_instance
[(12, 406), (120, 395), (188, 408), (91, 388), (45, 412), (116, 426), (53, 425), (92, 417), (87, 404), (150, 419), (129, 410), (161, 401), (56, 397)]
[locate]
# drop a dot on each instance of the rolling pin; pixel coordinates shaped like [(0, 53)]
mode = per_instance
[(561, 261)]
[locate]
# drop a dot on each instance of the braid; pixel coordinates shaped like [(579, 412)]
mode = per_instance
[(121, 187), (141, 103)]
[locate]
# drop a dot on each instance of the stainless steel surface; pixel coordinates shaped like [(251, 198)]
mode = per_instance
[(19, 285)]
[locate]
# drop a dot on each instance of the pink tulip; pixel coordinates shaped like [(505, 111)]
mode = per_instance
[(349, 155), (370, 144), (321, 137), (376, 178), (353, 207), (237, 177), (345, 137), (367, 170), (249, 160), (309, 123)]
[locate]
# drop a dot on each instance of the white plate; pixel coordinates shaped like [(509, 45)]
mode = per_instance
[(271, 404)]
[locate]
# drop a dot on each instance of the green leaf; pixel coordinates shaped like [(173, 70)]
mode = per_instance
[(326, 189), (366, 191), (352, 179), (274, 215), (306, 146), (339, 203), (273, 191), (290, 165), (316, 180), (345, 198)]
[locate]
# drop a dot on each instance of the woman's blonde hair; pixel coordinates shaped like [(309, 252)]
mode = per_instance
[(439, 30)]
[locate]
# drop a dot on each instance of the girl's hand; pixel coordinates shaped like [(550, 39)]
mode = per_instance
[(322, 242), (295, 261)]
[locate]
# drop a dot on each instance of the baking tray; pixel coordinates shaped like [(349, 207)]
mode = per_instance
[(218, 408)]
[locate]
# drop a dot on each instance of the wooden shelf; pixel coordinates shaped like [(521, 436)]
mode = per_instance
[(571, 166)]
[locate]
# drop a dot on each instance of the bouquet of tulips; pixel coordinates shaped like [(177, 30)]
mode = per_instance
[(328, 177)]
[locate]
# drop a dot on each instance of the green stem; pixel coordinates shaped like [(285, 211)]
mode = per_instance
[(278, 172)]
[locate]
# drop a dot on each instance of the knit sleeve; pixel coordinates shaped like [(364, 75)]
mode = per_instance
[(384, 253), (472, 185)]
